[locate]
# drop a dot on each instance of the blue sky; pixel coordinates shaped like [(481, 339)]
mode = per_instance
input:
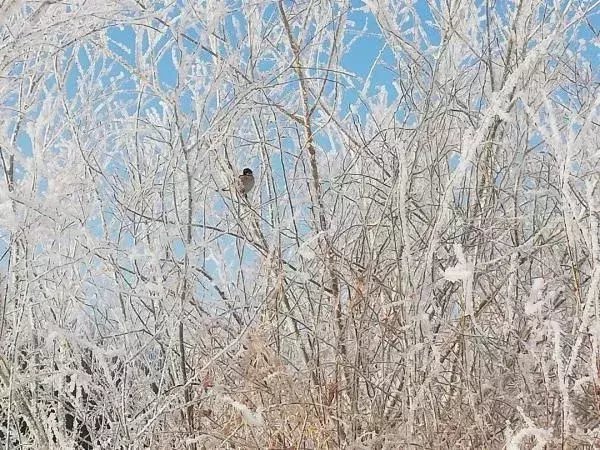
[(370, 47)]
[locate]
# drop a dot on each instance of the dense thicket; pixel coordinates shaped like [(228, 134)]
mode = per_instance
[(417, 265)]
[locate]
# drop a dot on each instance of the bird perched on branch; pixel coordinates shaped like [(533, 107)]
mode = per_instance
[(243, 184), (245, 181)]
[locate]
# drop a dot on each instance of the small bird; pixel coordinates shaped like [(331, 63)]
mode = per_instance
[(243, 184), (245, 181)]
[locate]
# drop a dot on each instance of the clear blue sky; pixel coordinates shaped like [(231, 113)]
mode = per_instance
[(359, 60)]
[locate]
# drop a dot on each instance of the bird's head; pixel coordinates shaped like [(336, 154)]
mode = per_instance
[(247, 171)]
